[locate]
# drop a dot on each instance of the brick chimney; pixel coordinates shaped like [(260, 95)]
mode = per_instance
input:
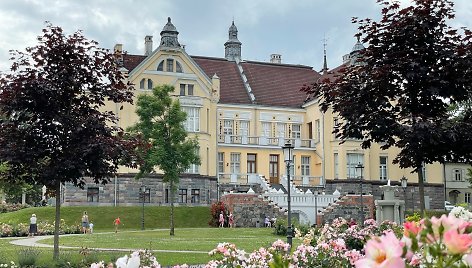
[(275, 58), (147, 45)]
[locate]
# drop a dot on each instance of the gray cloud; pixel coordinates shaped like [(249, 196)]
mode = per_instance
[(294, 29)]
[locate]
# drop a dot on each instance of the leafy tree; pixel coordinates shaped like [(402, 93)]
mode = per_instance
[(53, 128), (161, 125), (400, 89)]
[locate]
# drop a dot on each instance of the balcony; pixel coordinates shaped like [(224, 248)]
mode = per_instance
[(244, 179), (265, 141)]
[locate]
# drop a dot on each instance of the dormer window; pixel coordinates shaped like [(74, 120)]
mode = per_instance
[(160, 67), (186, 90), (178, 67), (142, 83), (169, 64)]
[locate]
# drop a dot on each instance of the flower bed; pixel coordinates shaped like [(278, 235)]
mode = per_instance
[(44, 228), (436, 242)]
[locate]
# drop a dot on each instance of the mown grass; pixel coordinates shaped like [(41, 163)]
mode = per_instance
[(191, 234), (102, 217), (192, 239)]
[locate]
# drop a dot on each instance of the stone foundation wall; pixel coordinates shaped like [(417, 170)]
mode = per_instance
[(250, 210), (348, 207), (435, 192), (125, 191)]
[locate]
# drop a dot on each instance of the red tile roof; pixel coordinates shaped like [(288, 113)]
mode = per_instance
[(279, 84), (272, 84), (132, 61), (232, 89)]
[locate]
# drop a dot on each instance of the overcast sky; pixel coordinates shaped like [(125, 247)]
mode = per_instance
[(293, 28)]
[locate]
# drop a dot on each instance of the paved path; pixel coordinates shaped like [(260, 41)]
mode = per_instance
[(34, 242)]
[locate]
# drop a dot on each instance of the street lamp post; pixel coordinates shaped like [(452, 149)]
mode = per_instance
[(143, 195), (361, 167), (404, 182), (288, 157)]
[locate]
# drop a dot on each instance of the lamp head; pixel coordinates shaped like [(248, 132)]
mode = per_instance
[(288, 152), (404, 182)]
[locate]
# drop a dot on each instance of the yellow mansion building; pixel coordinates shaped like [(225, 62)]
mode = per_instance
[(242, 113)]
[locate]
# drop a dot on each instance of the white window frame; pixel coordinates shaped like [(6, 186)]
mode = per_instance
[(383, 168), (221, 162), (457, 174), (296, 131), (336, 165), (244, 128), (467, 198), (235, 165), (305, 165), (352, 160), (192, 122), (317, 130)]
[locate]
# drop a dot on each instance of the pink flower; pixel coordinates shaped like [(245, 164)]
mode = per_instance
[(457, 243), (382, 252), (411, 229)]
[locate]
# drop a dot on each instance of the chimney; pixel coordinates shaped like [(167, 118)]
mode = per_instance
[(275, 58), (147, 45)]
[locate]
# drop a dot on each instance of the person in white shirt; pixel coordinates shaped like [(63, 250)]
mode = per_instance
[(91, 227), (33, 226)]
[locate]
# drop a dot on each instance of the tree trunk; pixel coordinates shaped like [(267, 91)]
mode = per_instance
[(57, 221), (172, 192), (421, 190)]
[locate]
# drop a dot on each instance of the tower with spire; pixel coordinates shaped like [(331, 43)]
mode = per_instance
[(169, 35), (325, 61), (233, 46)]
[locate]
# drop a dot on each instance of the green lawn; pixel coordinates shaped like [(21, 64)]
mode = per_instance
[(190, 239), (193, 239), (191, 234), (102, 217)]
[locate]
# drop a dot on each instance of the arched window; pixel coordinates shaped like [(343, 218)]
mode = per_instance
[(141, 83), (178, 67), (149, 84), (160, 67)]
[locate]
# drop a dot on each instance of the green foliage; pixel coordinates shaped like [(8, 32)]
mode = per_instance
[(415, 217), (161, 125), (28, 257), (469, 177), (280, 227), (279, 262)]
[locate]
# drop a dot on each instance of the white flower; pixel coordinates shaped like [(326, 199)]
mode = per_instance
[(126, 262)]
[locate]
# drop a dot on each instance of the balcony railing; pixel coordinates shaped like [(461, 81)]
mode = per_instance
[(243, 178), (266, 141)]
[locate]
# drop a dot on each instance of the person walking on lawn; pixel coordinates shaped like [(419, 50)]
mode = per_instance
[(117, 223)]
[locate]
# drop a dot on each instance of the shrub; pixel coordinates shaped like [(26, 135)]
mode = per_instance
[(27, 257), (8, 207), (280, 227), (216, 208)]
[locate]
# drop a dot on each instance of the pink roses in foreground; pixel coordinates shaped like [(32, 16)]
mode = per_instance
[(439, 242)]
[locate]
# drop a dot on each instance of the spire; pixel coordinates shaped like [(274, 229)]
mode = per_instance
[(233, 46), (356, 51), (325, 61), (169, 35)]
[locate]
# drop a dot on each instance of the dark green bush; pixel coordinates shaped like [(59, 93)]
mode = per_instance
[(27, 257)]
